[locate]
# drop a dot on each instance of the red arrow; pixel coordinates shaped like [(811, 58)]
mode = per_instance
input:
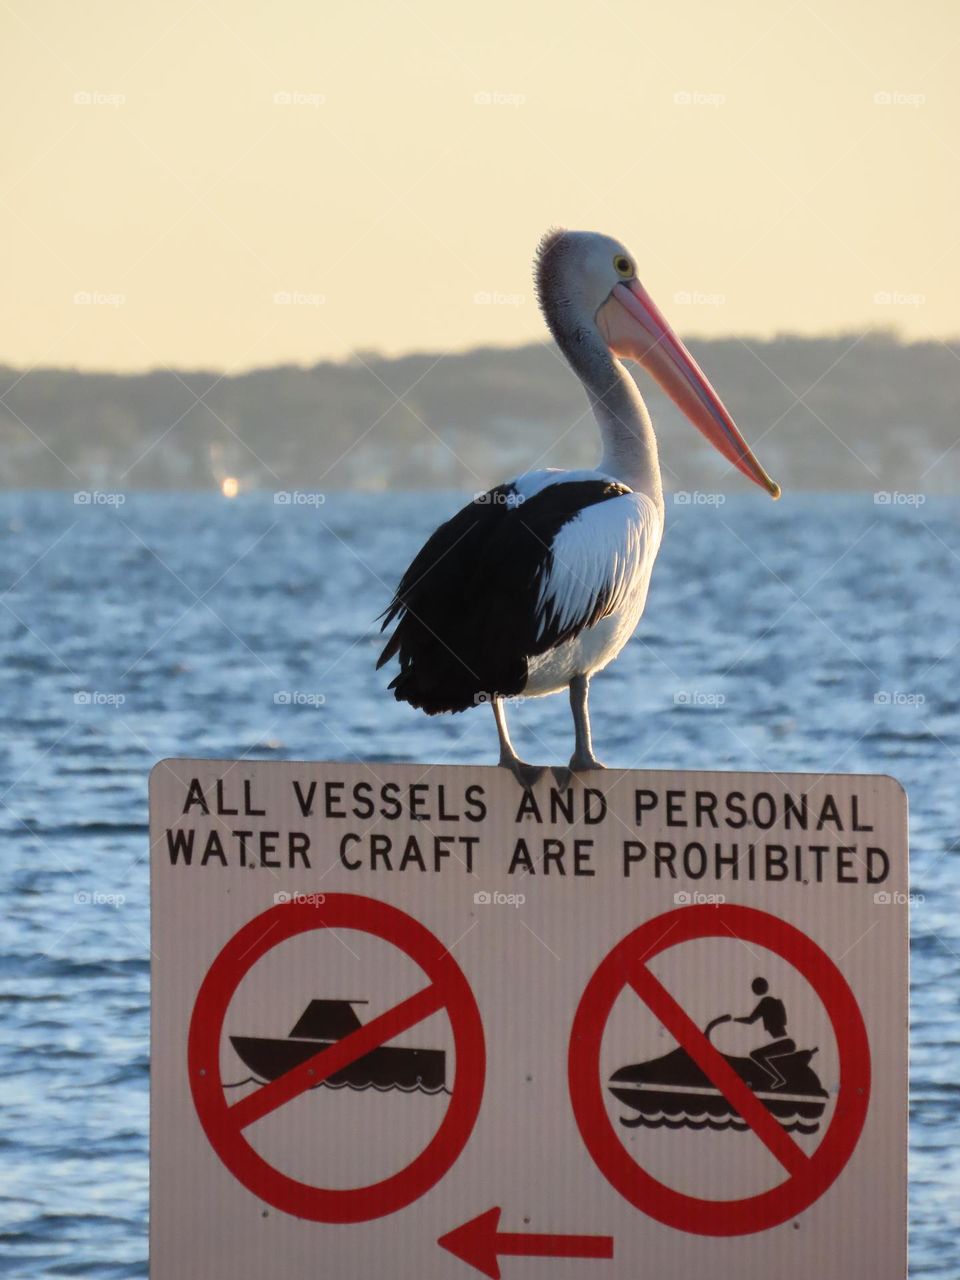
[(478, 1242)]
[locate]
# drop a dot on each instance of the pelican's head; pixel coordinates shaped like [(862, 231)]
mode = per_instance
[(586, 282)]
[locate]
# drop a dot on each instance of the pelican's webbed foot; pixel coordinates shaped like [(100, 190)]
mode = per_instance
[(526, 774), (583, 761), (578, 764)]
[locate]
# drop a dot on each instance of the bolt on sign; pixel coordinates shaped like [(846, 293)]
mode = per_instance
[(415, 1018)]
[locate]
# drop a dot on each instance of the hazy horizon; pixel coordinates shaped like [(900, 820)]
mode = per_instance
[(467, 420), (366, 355)]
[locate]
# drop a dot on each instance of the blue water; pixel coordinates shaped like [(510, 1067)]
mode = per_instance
[(820, 634)]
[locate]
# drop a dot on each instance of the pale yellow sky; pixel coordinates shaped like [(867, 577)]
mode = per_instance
[(227, 184)]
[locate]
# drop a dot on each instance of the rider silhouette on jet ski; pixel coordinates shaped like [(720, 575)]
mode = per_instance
[(674, 1090), (772, 1013)]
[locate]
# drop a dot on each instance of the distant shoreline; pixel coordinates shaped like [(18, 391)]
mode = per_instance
[(843, 412)]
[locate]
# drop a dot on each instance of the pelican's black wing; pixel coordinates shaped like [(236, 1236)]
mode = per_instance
[(468, 609)]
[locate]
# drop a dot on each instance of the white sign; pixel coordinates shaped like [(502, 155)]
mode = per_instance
[(413, 1021)]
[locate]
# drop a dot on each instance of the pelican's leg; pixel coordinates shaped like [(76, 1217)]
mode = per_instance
[(583, 757), (525, 774)]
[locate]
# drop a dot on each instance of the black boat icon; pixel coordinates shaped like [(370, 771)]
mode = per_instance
[(323, 1023), (672, 1091)]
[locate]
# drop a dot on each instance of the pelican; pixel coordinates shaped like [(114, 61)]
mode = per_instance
[(538, 583)]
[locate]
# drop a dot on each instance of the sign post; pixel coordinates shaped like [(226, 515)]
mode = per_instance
[(659, 1020)]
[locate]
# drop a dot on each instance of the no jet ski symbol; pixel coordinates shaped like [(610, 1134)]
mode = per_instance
[(752, 1094), (330, 1045)]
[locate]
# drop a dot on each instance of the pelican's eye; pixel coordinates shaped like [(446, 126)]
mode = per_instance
[(623, 265)]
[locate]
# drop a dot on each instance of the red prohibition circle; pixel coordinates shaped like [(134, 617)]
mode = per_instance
[(812, 1175), (224, 1123)]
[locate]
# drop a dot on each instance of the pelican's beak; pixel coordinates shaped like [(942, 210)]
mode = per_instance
[(633, 326)]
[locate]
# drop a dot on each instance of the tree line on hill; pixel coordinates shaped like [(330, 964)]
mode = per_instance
[(839, 412)]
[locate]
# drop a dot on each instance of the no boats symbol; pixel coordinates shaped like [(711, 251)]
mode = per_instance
[(330, 1045), (673, 1091), (322, 1024)]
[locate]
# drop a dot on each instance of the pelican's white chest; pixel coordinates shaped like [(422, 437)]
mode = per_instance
[(605, 554)]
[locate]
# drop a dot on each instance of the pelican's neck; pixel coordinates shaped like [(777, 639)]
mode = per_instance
[(629, 444)]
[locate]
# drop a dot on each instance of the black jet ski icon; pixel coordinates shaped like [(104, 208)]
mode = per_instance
[(324, 1022), (672, 1091)]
